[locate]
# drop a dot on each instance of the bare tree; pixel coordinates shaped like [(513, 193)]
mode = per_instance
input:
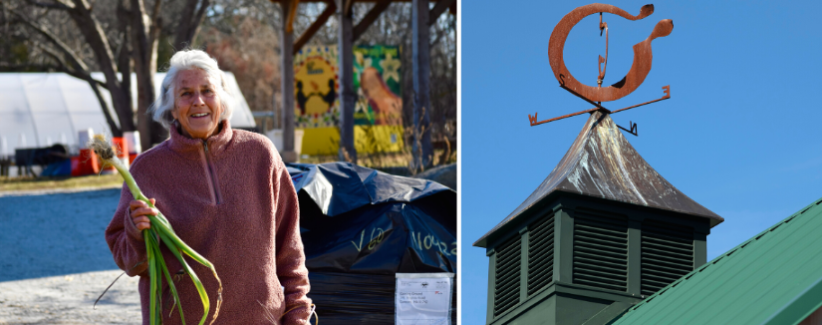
[(243, 36), (225, 37), (118, 37), (67, 59), (144, 35), (190, 20), (110, 37)]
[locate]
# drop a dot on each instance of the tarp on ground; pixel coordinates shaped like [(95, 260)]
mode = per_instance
[(42, 109), (360, 227)]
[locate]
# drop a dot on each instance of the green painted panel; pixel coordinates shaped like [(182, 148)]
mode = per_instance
[(575, 310), (541, 314)]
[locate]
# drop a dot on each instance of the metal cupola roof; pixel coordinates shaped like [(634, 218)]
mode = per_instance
[(601, 163)]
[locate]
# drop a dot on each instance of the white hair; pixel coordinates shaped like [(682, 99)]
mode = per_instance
[(188, 60)]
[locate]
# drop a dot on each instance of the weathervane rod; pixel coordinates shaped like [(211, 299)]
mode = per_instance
[(666, 89), (534, 122)]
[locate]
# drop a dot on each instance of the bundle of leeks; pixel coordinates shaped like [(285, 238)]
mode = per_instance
[(160, 231)]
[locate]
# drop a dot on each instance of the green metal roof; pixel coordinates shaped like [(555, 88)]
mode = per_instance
[(773, 278)]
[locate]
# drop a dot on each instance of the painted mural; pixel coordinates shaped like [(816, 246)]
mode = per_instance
[(378, 110)]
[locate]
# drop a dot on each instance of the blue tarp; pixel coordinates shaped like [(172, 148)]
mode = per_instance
[(361, 226)]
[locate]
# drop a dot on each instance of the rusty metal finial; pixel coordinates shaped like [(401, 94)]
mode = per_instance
[(596, 95)]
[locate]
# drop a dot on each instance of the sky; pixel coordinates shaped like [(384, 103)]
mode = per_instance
[(740, 134)]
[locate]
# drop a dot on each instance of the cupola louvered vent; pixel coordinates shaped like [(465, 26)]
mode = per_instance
[(507, 277), (540, 254), (601, 251), (667, 254)]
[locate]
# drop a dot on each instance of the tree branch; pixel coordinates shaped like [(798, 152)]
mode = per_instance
[(198, 20), (63, 67), (66, 3), (25, 67), (155, 13), (94, 83), (156, 23), (59, 5), (51, 38), (95, 37), (181, 37)]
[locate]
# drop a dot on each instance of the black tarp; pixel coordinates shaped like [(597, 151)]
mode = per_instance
[(360, 227)]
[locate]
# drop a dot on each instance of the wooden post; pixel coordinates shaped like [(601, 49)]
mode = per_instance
[(421, 64), (348, 98), (287, 84)]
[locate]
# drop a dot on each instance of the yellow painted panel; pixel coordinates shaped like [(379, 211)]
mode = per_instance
[(367, 139), (320, 141), (378, 138)]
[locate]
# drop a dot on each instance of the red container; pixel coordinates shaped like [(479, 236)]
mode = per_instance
[(121, 150), (85, 164)]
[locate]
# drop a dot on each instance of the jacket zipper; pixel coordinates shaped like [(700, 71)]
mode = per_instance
[(210, 176)]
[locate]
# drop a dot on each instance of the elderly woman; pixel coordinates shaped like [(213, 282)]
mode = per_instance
[(227, 195)]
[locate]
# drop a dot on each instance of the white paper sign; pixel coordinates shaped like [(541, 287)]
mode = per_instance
[(423, 298)]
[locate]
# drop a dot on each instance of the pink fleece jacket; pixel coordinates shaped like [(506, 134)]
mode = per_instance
[(231, 199)]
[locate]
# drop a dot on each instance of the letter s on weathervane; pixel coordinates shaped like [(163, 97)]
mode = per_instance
[(642, 53)]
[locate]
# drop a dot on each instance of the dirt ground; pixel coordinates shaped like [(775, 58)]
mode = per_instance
[(55, 261)]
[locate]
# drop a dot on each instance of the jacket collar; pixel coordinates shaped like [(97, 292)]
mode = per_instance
[(190, 148)]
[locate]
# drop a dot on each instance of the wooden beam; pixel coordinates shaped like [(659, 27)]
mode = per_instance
[(348, 97), (438, 9), (421, 68), (315, 26), (347, 7), (370, 17), (288, 152), (292, 13)]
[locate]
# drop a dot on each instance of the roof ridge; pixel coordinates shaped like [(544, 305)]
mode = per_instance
[(814, 205)]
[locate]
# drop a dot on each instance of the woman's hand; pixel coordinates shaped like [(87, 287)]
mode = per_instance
[(139, 212)]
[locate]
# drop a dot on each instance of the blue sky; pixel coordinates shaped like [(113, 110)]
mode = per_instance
[(740, 135)]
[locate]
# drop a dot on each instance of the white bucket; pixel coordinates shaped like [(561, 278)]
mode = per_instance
[(276, 137), (83, 138), (133, 140)]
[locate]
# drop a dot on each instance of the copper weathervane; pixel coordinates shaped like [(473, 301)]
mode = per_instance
[(596, 95)]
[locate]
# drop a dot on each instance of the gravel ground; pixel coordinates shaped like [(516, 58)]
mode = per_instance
[(55, 261)]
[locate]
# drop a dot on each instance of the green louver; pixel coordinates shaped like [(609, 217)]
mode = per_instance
[(506, 292)]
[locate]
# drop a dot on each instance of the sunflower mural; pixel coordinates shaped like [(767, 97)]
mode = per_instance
[(316, 100), (378, 111), (316, 87)]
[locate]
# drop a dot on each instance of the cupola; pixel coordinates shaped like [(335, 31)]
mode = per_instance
[(603, 231)]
